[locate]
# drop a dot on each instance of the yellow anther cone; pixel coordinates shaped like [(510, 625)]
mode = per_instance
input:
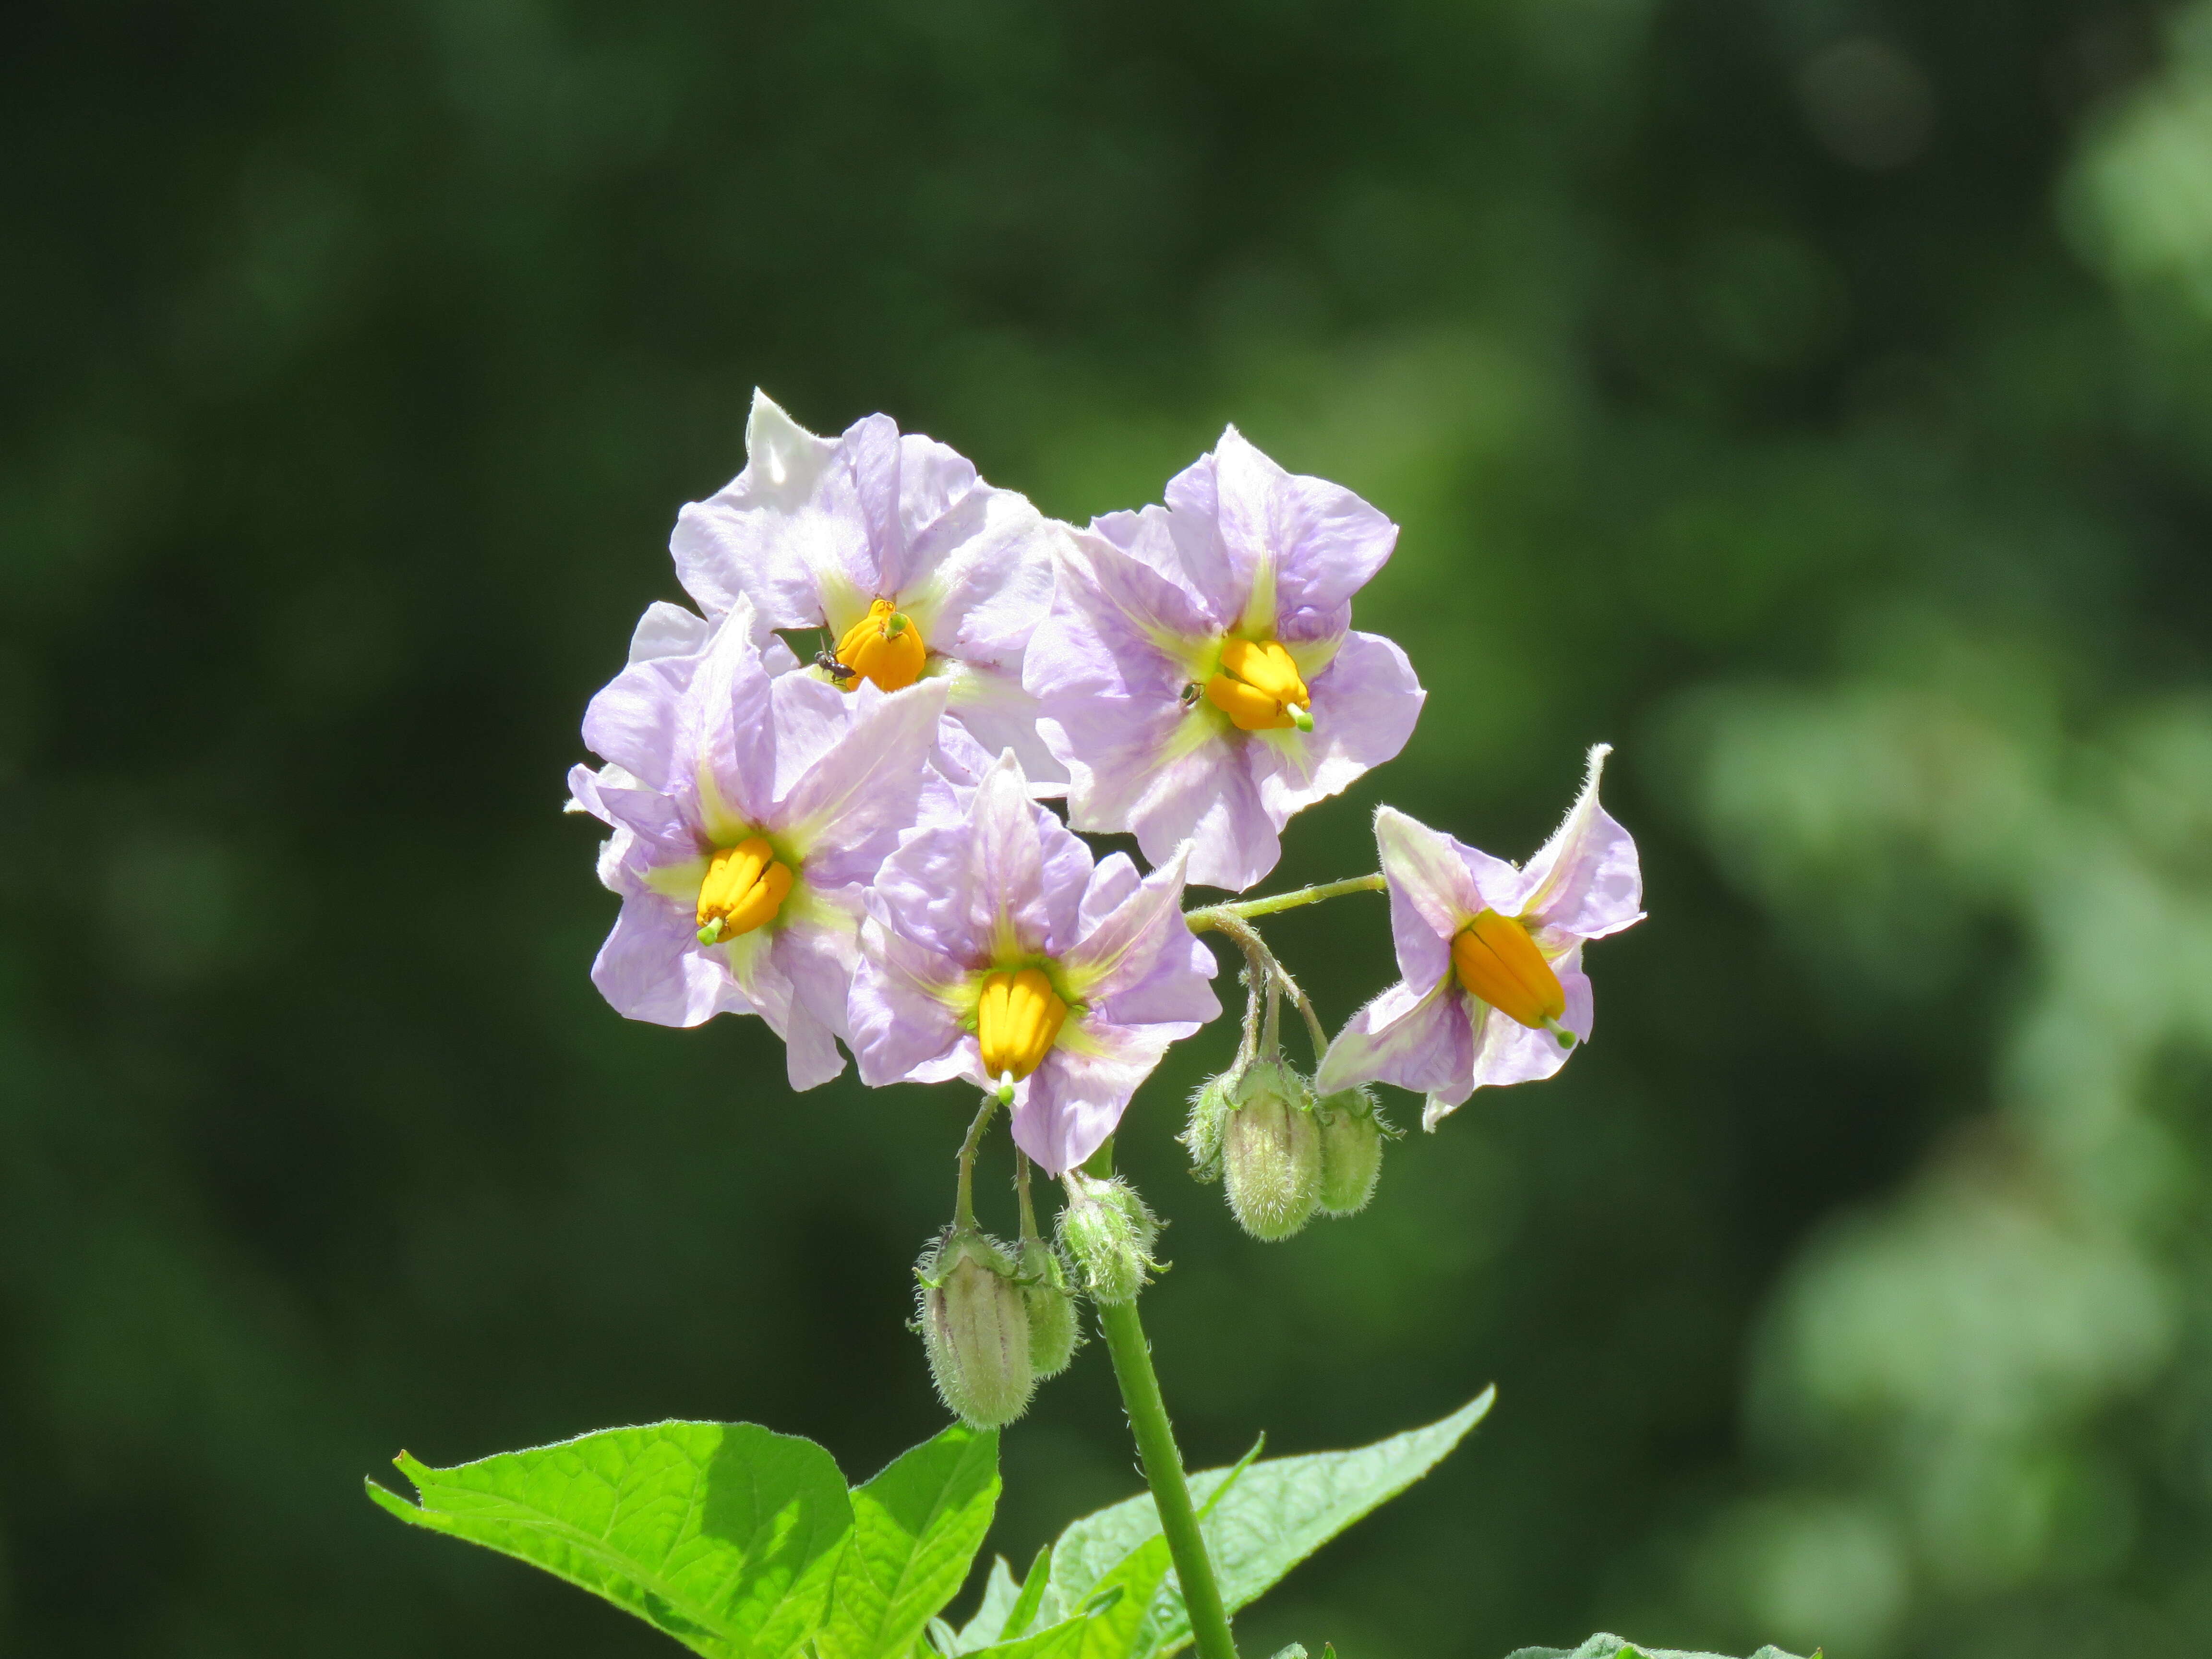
[(745, 886), (1259, 687), (1497, 960), (883, 647), (1018, 1019)]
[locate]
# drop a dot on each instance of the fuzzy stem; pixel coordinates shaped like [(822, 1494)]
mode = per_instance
[(964, 1208), (1263, 962), (1155, 1447), (1022, 1188), (1210, 916)]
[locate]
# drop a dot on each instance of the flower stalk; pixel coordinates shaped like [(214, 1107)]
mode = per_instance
[(1163, 1463), (1211, 917)]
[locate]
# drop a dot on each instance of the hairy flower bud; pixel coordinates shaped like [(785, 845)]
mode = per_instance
[(1351, 1134), (1209, 1106), (1055, 1334), (1109, 1236), (975, 1323), (1271, 1152)]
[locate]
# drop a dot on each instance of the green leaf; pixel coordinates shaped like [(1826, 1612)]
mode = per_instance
[(1612, 1647), (916, 1527), (993, 1613), (1275, 1515), (724, 1535), (1007, 1610), (1113, 1619)]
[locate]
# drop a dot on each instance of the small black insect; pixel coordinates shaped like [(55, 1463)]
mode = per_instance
[(830, 664), (1190, 695)]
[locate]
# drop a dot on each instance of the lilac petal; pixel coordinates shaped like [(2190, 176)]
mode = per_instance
[(639, 721), (1586, 881), (847, 812), (1112, 881), (660, 832), (650, 968), (729, 735), (811, 1055), (1508, 1052), (1365, 706), (990, 708), (1212, 802), (819, 949), (1029, 872), (809, 715), (1432, 893), (899, 1012), (809, 1047), (1420, 1042), (961, 759), (1068, 1107), (979, 579), (667, 630), (933, 479), (871, 453), (1219, 575), (1141, 965), (1327, 542), (1103, 636), (772, 532), (924, 892)]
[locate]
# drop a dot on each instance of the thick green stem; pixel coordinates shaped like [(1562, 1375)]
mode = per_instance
[(1201, 920), (1148, 1419), (1156, 1446)]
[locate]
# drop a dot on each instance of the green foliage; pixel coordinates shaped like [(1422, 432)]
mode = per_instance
[(724, 1535), (915, 1528), (1259, 1521), (743, 1544), (1612, 1647)]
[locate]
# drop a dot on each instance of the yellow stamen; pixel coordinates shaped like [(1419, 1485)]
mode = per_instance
[(1017, 1020), (883, 647), (1497, 960), (1259, 688), (745, 886)]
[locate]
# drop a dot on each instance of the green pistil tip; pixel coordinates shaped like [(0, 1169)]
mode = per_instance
[(711, 932), (1566, 1038), (896, 626), (1302, 718), (1005, 1088)]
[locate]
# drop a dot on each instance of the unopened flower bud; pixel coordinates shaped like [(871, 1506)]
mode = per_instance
[(1054, 1333), (975, 1323), (1271, 1152), (1351, 1150), (1208, 1108), (1109, 1235)]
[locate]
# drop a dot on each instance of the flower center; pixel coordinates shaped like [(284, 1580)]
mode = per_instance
[(1016, 1021), (1259, 688), (745, 886), (1497, 960), (883, 647)]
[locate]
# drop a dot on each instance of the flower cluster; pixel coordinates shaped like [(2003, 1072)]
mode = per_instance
[(850, 838)]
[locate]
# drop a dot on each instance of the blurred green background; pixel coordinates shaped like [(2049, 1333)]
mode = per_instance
[(1813, 397)]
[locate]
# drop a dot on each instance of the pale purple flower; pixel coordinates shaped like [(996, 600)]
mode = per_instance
[(1009, 888), (823, 532), (1428, 1033), (707, 748), (1130, 664)]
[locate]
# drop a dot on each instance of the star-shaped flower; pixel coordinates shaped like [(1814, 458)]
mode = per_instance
[(750, 809), (995, 951), (1491, 987), (1199, 676), (917, 569)]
